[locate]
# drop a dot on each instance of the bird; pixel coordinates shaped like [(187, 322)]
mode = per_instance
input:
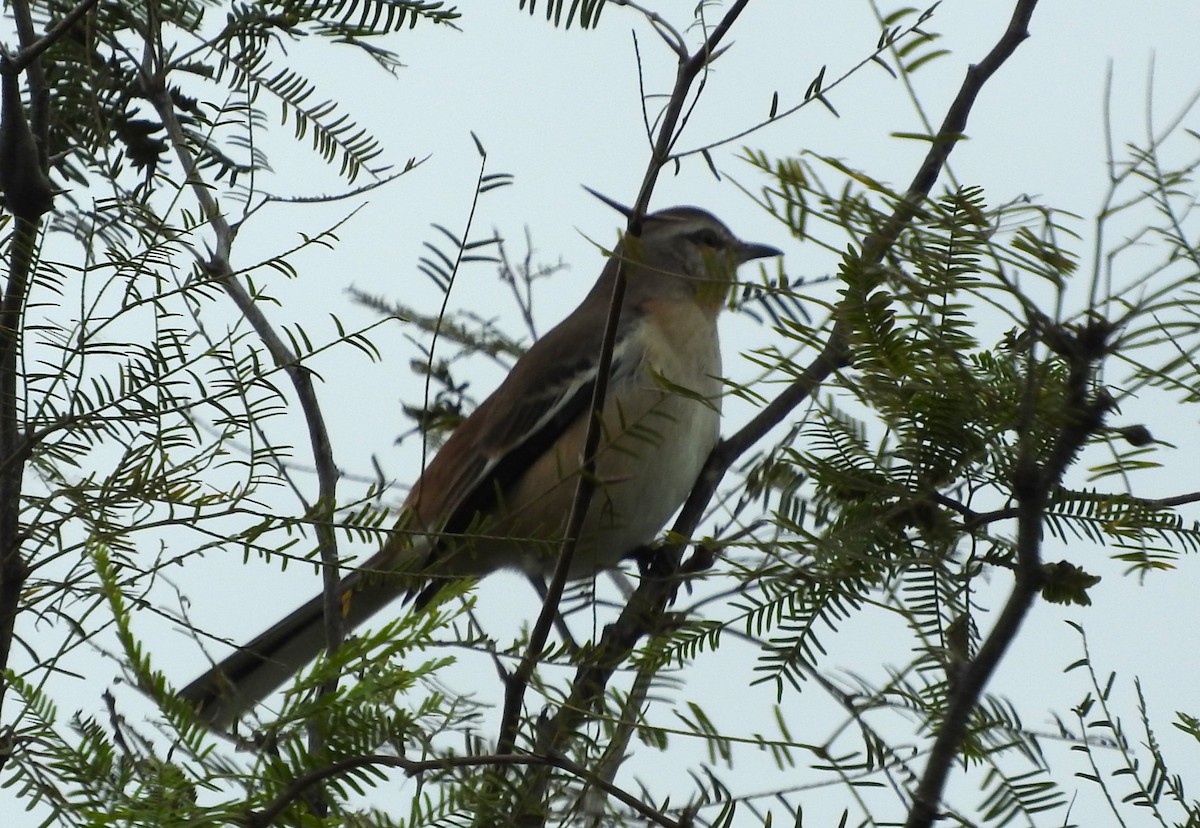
[(498, 493)]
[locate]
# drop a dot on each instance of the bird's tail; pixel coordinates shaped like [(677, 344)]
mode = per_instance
[(261, 666)]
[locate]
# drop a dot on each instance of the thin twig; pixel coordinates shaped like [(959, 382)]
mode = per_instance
[(815, 98), (32, 51), (644, 612), (689, 69), (665, 30), (218, 264), (296, 790)]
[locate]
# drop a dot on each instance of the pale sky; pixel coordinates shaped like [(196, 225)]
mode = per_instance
[(559, 109)]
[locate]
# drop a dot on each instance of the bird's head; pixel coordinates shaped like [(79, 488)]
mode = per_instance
[(690, 247)]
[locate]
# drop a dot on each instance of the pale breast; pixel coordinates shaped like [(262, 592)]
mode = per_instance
[(661, 419), (660, 426)]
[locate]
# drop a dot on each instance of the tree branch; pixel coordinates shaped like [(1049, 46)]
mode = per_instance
[(297, 789), (218, 264), (1033, 481), (28, 195), (30, 52), (643, 615), (689, 68)]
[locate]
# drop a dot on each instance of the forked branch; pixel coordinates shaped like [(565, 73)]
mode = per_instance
[(644, 614)]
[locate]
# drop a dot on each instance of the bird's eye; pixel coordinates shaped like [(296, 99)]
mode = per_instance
[(708, 238)]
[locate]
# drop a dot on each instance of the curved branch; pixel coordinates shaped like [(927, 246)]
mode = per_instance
[(218, 264), (297, 789), (1034, 480), (690, 68), (30, 52), (644, 613), (836, 353)]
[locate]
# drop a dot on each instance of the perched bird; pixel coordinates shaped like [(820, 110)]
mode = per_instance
[(498, 493)]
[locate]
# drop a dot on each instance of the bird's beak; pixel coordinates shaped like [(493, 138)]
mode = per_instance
[(750, 250)]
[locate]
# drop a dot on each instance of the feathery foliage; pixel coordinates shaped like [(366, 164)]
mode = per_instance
[(955, 432)]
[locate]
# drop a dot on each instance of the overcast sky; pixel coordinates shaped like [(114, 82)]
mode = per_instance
[(559, 109)]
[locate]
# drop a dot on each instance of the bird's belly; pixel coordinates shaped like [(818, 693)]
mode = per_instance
[(642, 479), (660, 422)]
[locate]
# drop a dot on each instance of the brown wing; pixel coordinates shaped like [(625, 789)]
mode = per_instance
[(548, 389)]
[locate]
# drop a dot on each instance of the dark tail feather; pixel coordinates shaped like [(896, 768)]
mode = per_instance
[(260, 667)]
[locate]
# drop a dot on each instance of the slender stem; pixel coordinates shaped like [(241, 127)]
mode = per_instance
[(28, 195), (550, 739), (297, 789), (14, 569), (301, 378), (644, 612), (689, 68)]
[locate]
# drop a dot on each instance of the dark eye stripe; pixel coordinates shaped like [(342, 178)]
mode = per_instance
[(708, 237)]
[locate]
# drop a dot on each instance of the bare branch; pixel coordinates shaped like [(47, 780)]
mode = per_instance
[(32, 51), (297, 789), (218, 264), (644, 613)]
